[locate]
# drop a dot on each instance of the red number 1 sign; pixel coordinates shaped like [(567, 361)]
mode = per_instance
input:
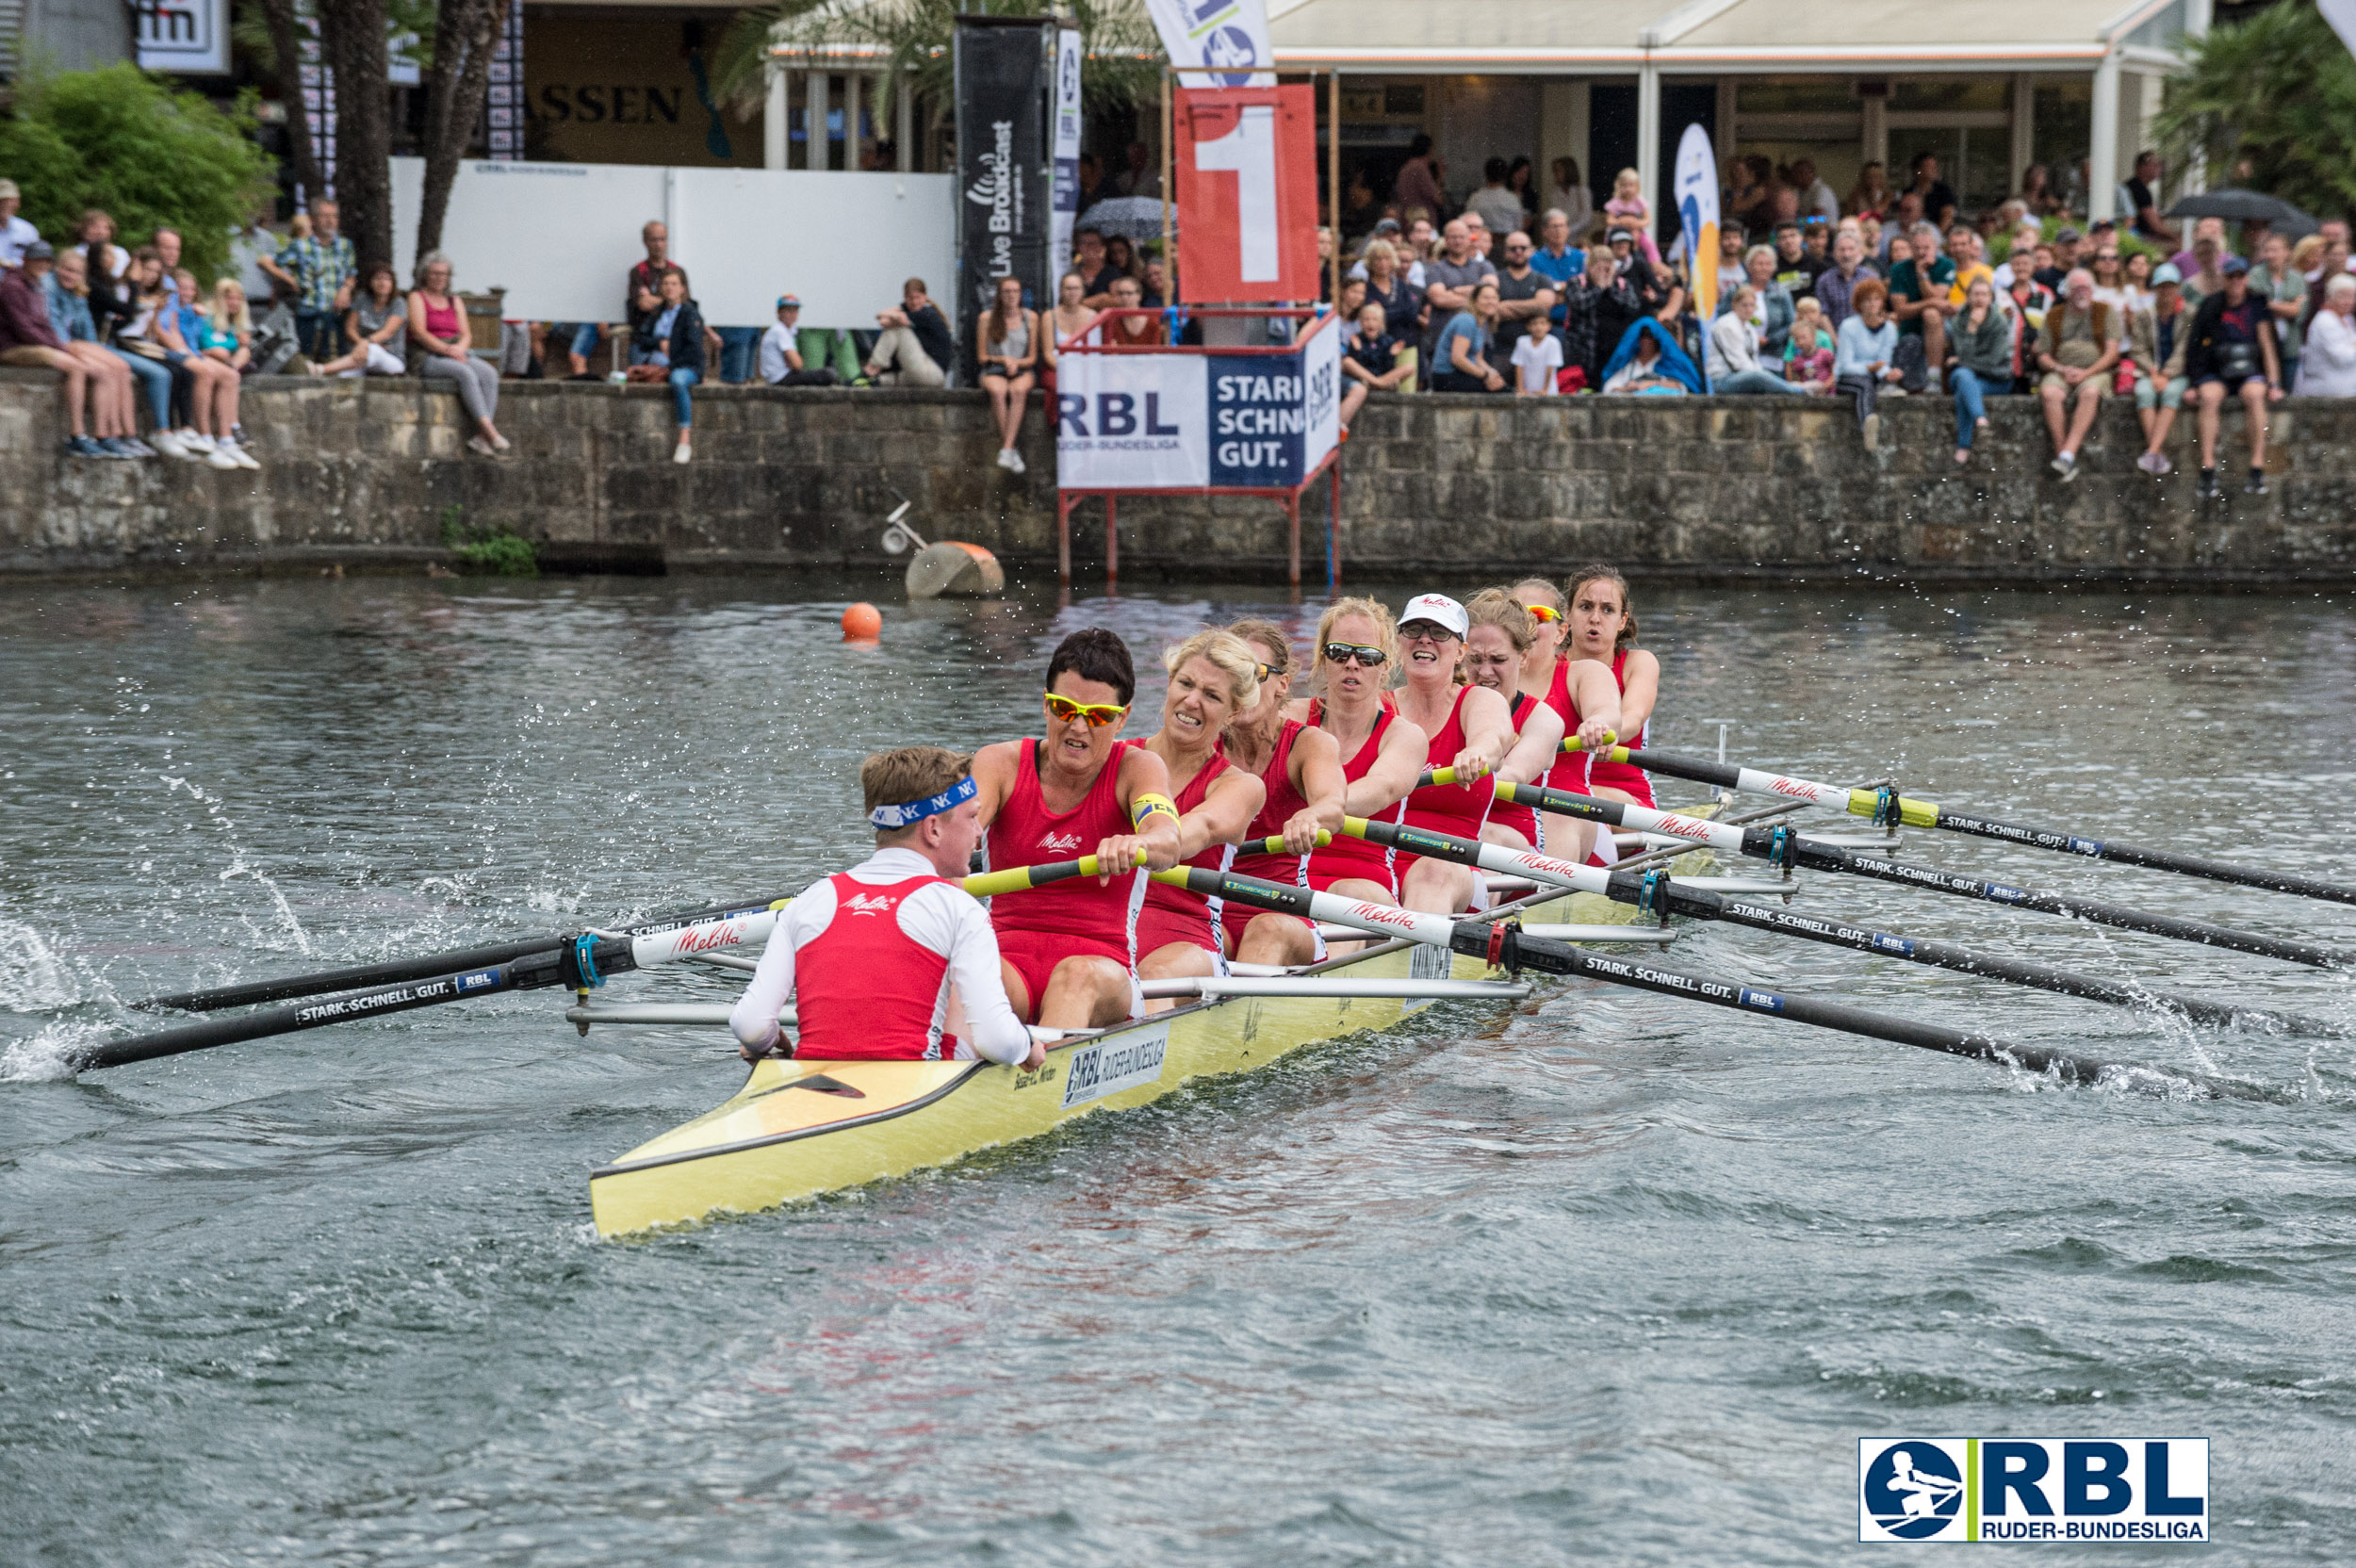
[(1247, 194)]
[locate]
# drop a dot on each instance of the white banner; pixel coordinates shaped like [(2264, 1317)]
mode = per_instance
[(1067, 156), (1697, 216), (1132, 421), (1321, 370), (1227, 37), (187, 38)]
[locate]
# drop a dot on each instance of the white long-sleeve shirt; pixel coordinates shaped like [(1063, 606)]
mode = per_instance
[(942, 917)]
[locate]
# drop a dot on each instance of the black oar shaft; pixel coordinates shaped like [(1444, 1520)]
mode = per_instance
[(1924, 813), (428, 967)]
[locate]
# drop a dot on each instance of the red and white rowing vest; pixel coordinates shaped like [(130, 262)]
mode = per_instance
[(1569, 770), (1282, 804), (1027, 833), (1185, 903), (1624, 776), (1458, 809), (1352, 858), (864, 988), (1521, 819)]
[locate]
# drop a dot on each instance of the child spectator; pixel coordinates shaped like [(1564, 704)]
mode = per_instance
[(1537, 359), (1628, 209), (1807, 357), (1370, 362)]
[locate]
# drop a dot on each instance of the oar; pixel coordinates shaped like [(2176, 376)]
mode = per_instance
[(1783, 847), (1504, 946), (1657, 894), (418, 969), (1887, 808)]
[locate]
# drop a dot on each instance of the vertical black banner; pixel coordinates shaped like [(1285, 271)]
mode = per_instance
[(1006, 70)]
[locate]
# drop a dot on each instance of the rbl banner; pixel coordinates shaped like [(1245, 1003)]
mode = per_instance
[(1247, 194), (1185, 422)]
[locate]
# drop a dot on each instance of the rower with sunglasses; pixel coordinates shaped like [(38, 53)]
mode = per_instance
[(1380, 753), (1583, 693), (1068, 952), (1471, 729)]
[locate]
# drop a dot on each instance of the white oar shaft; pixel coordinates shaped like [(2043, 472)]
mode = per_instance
[(663, 947)]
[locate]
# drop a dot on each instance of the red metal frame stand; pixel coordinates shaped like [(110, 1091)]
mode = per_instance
[(1289, 496)]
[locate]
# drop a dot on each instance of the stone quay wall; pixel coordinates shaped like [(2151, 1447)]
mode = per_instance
[(366, 473)]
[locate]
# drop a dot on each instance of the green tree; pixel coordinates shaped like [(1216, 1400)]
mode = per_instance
[(2269, 105), (152, 158)]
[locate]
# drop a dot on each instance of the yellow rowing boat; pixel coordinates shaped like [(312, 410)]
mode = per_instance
[(797, 1129)]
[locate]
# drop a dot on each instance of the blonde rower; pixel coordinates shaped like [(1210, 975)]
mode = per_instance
[(1300, 770), (1581, 694), (1502, 632), (1213, 677), (1380, 753)]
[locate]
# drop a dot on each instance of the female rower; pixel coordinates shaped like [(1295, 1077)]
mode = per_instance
[(1502, 632), (1380, 753), (1471, 730), (1582, 692), (1603, 629), (1213, 677), (1300, 770)]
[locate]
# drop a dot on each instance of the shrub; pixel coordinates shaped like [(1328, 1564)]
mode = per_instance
[(152, 158), (491, 549)]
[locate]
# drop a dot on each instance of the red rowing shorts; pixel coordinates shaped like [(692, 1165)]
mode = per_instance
[(1158, 928), (1035, 954)]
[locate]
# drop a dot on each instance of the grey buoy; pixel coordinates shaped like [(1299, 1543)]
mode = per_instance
[(950, 570)]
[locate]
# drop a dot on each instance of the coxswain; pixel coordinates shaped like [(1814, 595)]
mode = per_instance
[(1380, 753), (1502, 632), (1470, 729), (1068, 950), (1213, 677), (1603, 629), (1582, 693), (1299, 769), (870, 955)]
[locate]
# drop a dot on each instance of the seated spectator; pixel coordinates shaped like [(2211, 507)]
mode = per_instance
[(378, 326), (1735, 369), (2157, 341), (27, 339), (1865, 364), (438, 324), (1899, 224), (2284, 288), (1768, 301), (1352, 301), (2075, 350), (1061, 325), (1537, 360), (916, 348), (1008, 357), (1156, 295), (199, 396), (1089, 259), (1657, 291), (106, 264), (1402, 302), (2061, 256), (1648, 362), (781, 355), (2026, 237), (1979, 361), (1838, 284), (1524, 294), (1371, 361), (673, 343), (1597, 310), (1918, 298), (1556, 257), (1141, 330), (1790, 267), (1808, 356), (1964, 252), (2232, 355), (1449, 280), (2138, 284), (2328, 368), (1485, 238), (113, 415), (1462, 350)]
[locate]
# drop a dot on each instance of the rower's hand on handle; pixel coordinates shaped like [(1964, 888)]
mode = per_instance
[(1301, 834), (1471, 766), (1596, 736), (1122, 853)]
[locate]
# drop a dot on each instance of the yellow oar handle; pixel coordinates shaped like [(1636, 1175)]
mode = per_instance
[(1274, 844), (1021, 879), (1618, 751), (1911, 812)]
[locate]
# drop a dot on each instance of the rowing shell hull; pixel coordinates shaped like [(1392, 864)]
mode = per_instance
[(801, 1128)]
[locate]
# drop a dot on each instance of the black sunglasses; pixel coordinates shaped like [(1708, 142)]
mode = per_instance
[(1354, 653)]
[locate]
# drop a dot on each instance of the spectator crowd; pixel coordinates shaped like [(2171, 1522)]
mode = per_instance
[(1510, 289)]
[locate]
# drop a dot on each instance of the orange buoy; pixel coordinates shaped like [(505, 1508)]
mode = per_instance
[(862, 623)]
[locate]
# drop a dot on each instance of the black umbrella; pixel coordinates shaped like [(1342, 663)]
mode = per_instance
[(2241, 207)]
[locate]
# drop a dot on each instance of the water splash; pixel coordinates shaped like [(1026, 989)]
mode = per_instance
[(242, 869), (50, 1054), (38, 979)]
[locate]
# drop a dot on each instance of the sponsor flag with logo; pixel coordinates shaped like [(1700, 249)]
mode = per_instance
[(1698, 215), (1227, 37)]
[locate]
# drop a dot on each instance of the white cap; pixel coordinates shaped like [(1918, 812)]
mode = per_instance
[(1439, 608)]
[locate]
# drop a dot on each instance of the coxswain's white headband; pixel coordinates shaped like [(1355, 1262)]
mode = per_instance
[(892, 817)]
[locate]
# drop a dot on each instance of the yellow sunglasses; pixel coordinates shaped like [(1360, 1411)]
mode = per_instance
[(1099, 714), (1543, 614)]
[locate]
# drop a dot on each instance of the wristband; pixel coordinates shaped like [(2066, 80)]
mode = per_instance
[(1148, 805)]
